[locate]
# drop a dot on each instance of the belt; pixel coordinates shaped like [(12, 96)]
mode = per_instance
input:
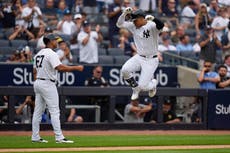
[(46, 79), (154, 56)]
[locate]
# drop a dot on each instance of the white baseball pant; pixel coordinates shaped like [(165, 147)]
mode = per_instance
[(46, 94), (146, 65)]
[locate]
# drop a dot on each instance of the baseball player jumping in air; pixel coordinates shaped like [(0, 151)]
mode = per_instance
[(145, 30), (46, 65)]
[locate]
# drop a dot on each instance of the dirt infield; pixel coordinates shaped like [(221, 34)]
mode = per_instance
[(119, 132), (116, 148)]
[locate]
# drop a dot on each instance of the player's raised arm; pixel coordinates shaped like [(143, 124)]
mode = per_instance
[(121, 19)]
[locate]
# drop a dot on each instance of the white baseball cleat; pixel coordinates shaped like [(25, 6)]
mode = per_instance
[(64, 141), (40, 141), (152, 92), (135, 94)]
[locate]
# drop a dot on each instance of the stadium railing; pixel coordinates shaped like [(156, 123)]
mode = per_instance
[(112, 92)]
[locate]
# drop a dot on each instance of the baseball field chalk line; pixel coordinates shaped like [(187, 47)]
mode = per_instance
[(117, 148)]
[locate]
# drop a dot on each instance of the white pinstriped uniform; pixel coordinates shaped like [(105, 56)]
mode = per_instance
[(46, 93), (146, 41)]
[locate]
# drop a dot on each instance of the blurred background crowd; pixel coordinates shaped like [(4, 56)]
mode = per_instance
[(23, 23)]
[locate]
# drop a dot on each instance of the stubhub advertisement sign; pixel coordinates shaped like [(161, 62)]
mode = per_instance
[(22, 75), (218, 109)]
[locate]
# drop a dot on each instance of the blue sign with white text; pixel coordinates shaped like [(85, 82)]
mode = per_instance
[(22, 75), (218, 109)]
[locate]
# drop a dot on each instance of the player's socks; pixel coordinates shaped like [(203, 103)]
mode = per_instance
[(132, 82)]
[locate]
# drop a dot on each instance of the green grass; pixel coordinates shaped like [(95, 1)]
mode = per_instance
[(104, 141)]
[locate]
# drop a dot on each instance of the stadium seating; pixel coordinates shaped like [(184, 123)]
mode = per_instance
[(4, 43), (18, 43), (104, 32), (102, 51), (105, 59), (7, 50), (32, 44), (115, 51)]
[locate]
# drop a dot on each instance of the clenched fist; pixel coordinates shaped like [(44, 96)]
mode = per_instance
[(128, 10), (149, 17)]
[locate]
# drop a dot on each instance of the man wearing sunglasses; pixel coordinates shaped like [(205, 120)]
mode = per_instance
[(208, 78), (97, 80)]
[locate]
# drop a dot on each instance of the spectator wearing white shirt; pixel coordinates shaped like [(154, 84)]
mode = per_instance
[(31, 15), (166, 46), (224, 2), (66, 25), (148, 5), (220, 23), (188, 14), (87, 40)]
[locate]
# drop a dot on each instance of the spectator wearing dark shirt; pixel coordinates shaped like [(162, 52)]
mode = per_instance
[(8, 15), (202, 19), (169, 115), (227, 64), (92, 4), (62, 7), (162, 6), (114, 12), (21, 33), (170, 11), (224, 79), (209, 44), (126, 43), (225, 40), (97, 80), (50, 13)]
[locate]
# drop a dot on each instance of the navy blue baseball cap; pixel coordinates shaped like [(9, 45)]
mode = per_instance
[(86, 23), (138, 13), (48, 29), (167, 100), (67, 12)]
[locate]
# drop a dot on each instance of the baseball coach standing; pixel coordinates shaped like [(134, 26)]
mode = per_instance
[(46, 65)]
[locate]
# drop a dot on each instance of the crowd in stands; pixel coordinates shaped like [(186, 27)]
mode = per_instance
[(87, 31), (185, 21)]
